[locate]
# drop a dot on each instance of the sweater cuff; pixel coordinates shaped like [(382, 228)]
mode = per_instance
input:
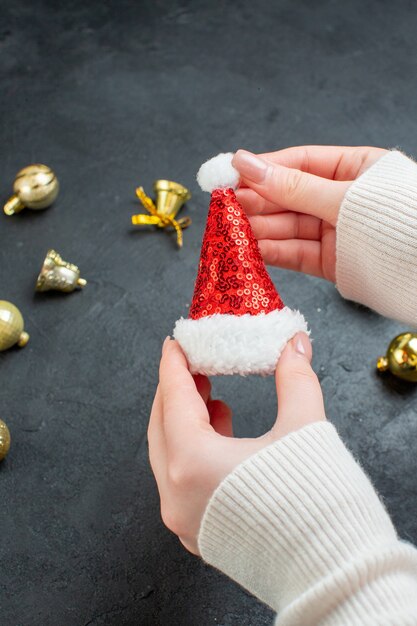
[(299, 523), (376, 239)]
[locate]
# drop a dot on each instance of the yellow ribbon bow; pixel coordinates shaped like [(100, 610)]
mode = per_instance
[(159, 219)]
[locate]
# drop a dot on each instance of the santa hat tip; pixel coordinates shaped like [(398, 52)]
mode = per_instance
[(218, 173)]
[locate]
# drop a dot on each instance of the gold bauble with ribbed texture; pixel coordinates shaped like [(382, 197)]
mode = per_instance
[(11, 326)]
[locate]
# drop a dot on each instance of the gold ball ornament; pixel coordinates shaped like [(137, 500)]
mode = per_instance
[(11, 326), (401, 357), (35, 187), (4, 440)]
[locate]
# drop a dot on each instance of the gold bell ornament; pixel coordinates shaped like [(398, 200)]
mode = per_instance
[(11, 326), (4, 440), (401, 357), (170, 197), (56, 274), (35, 187)]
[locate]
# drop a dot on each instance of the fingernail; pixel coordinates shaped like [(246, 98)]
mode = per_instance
[(250, 166), (301, 344), (166, 341)]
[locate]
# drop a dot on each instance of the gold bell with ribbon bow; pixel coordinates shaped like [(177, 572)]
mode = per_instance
[(170, 197), (401, 357), (56, 274)]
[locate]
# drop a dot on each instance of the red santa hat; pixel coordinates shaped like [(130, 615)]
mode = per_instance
[(237, 322)]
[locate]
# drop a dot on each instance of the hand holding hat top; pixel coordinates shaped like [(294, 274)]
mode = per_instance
[(292, 198)]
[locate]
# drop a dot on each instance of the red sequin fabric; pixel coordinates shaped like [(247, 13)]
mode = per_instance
[(232, 277)]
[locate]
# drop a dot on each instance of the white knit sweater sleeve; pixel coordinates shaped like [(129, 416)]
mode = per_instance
[(301, 527), (376, 239)]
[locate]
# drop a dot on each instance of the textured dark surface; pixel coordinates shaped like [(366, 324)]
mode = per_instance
[(116, 94)]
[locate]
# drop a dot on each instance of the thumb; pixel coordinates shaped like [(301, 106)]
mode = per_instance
[(291, 189), (300, 399)]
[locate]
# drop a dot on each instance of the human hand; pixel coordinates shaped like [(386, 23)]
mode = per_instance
[(191, 443), (292, 198)]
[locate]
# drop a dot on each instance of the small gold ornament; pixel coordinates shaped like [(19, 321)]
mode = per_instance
[(401, 357), (4, 440), (35, 187), (56, 274), (11, 326), (170, 197)]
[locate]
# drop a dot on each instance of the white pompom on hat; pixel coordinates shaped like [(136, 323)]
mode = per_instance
[(218, 173)]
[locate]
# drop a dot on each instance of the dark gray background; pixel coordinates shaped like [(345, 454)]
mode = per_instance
[(116, 94)]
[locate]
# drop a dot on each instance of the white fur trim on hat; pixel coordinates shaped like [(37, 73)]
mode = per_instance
[(237, 344), (218, 173)]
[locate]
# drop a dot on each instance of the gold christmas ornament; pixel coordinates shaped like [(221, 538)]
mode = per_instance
[(401, 357), (11, 326), (4, 440), (170, 197), (56, 274), (35, 187)]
